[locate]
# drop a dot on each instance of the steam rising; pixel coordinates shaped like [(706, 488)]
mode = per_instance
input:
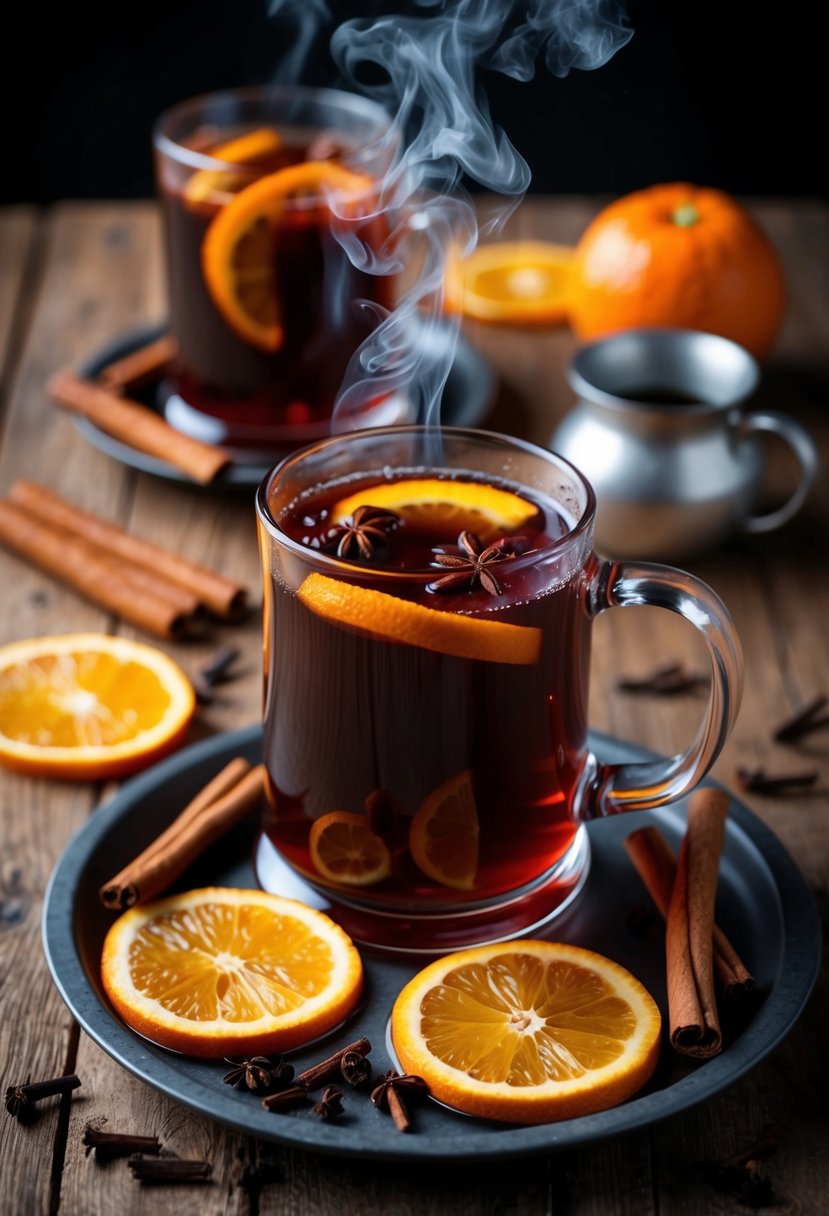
[(429, 67)]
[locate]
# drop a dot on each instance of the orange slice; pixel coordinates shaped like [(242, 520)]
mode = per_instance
[(344, 849), (522, 282), (221, 971), (221, 184), (527, 1031), (87, 707), (432, 502), (443, 836), (239, 247), (394, 620)]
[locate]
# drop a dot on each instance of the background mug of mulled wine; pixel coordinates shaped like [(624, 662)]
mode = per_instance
[(659, 427), (425, 724)]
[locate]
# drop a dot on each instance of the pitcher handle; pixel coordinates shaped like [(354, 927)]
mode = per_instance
[(803, 446), (641, 786)]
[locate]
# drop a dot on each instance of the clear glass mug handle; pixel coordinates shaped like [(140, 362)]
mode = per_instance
[(636, 787)]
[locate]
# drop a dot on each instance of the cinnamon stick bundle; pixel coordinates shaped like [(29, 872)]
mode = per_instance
[(137, 426), (141, 367), (107, 582), (222, 596), (223, 803)]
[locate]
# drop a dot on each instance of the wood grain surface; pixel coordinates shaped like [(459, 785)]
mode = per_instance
[(77, 276)]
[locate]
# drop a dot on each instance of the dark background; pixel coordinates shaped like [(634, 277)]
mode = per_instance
[(715, 92)]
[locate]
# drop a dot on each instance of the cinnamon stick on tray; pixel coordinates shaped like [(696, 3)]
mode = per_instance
[(104, 580), (141, 367), (223, 803), (222, 596), (136, 425), (656, 864)]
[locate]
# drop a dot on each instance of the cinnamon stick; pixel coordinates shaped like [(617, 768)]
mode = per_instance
[(106, 582), (223, 803), (137, 426), (222, 596), (141, 367), (694, 1022), (656, 864)]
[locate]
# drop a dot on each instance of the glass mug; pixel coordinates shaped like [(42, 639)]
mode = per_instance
[(425, 705), (266, 317)]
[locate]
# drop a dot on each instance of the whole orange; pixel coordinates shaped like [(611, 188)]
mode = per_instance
[(682, 256)]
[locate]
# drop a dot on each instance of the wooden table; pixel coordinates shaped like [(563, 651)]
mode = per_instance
[(75, 276)]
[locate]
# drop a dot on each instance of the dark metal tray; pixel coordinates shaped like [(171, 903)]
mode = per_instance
[(764, 906), (467, 397)]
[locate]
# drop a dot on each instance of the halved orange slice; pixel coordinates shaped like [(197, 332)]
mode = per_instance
[(223, 971), (433, 502), (87, 706), (443, 836), (344, 849), (220, 184), (239, 247), (394, 620), (527, 1031), (522, 282)]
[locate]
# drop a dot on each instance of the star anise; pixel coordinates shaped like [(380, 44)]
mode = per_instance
[(361, 534), (472, 564), (259, 1074), (330, 1104), (355, 1068), (388, 1095)]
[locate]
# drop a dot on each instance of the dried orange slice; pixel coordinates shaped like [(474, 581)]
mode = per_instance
[(395, 620), (220, 971), (239, 247), (220, 184), (344, 849), (443, 836), (434, 502), (522, 282), (87, 707), (527, 1031)]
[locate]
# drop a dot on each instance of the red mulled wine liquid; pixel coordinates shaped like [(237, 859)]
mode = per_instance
[(365, 726)]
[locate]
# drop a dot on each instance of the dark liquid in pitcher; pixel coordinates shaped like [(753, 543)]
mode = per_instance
[(367, 728), (660, 396), (246, 393)]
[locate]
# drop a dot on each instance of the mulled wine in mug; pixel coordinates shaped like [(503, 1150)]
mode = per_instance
[(428, 618)]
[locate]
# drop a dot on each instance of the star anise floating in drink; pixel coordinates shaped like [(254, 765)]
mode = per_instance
[(363, 533), (470, 562)]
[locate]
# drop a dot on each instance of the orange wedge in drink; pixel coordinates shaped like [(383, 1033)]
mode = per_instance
[(443, 836), (432, 502), (239, 247), (88, 707), (220, 184), (527, 1031), (394, 620), (344, 849), (517, 282), (224, 971)]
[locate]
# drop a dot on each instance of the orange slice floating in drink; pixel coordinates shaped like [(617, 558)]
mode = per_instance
[(344, 849), (239, 247), (518, 282), (432, 503), (527, 1031), (219, 184), (443, 836), (223, 971), (395, 620)]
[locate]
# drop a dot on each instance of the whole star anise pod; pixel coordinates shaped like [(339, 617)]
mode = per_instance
[(472, 563), (355, 1068), (388, 1095), (363, 533), (258, 1074), (330, 1104)]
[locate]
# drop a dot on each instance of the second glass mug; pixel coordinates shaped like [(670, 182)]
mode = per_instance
[(428, 762)]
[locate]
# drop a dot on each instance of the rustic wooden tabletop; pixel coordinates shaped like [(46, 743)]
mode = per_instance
[(77, 275)]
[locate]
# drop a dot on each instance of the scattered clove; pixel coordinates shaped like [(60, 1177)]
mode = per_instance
[(21, 1099), (110, 1145), (758, 781), (330, 1105), (388, 1096), (156, 1170), (330, 1069), (213, 671), (286, 1099), (802, 723), (740, 1174), (665, 681)]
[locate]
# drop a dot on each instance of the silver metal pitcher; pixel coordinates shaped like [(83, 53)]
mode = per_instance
[(659, 430)]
